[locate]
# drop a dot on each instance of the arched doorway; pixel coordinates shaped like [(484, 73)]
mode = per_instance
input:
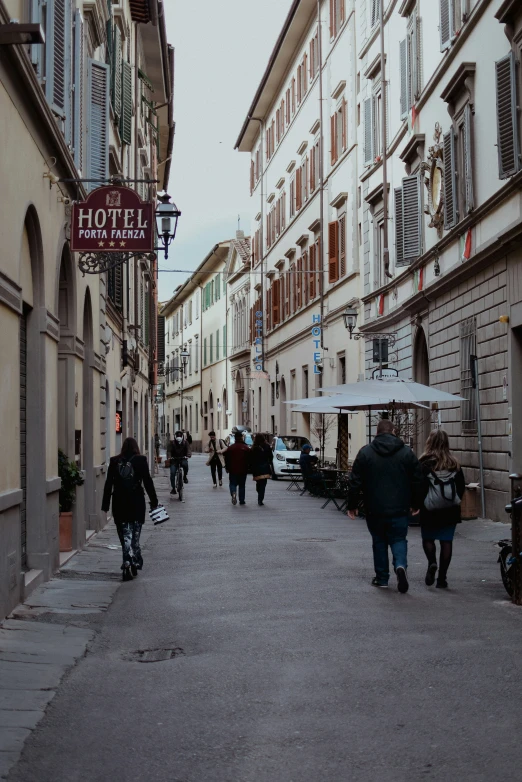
[(282, 407), (421, 374), (87, 449)]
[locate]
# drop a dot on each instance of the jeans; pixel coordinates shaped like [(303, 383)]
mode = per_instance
[(237, 483), (260, 488), (174, 469), (129, 534), (215, 464), (388, 531)]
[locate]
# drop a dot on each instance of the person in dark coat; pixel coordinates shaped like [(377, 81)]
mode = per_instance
[(128, 502), (388, 475), (261, 457), (237, 457), (308, 465), (178, 451), (437, 462)]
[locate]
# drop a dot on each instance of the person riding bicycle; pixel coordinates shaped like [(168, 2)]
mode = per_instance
[(178, 452)]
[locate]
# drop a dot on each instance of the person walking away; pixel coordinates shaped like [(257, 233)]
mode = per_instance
[(216, 459), (444, 486), (237, 457), (157, 443), (261, 461), (308, 464), (127, 476), (178, 452), (388, 475)]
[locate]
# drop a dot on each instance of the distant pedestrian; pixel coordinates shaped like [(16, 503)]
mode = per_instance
[(178, 453), (309, 471), (187, 436), (237, 458), (261, 461), (127, 476), (388, 475), (444, 486), (216, 461), (157, 443)]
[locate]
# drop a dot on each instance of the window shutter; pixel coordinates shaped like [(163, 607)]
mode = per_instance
[(117, 71), (311, 283), (78, 91), (468, 159), (507, 117), (217, 345), (269, 309), (299, 283), (342, 11), (161, 338), (294, 288), (333, 257), (344, 125), (399, 232), (375, 12), (411, 217), (275, 303), (450, 189), (56, 83), (298, 190), (305, 283), (312, 58), (118, 286), (299, 85), (97, 121), (146, 324), (225, 351), (332, 18), (342, 245), (447, 23), (37, 50), (126, 108), (403, 52), (333, 139), (368, 132), (282, 300)]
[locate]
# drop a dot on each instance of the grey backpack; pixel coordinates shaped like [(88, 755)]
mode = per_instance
[(442, 492)]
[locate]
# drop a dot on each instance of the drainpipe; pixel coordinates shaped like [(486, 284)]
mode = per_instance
[(261, 242), (321, 181), (386, 249)]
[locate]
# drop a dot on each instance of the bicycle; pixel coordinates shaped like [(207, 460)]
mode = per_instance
[(510, 562), (178, 482)]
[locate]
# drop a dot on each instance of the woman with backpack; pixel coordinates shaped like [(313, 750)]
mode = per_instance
[(444, 486), (127, 476), (261, 458)]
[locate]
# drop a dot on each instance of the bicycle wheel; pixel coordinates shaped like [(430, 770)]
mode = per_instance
[(179, 482), (506, 570)]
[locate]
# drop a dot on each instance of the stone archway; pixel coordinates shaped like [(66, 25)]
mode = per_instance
[(282, 407), (421, 374)]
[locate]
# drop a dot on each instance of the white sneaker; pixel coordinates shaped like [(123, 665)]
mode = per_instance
[(234, 498)]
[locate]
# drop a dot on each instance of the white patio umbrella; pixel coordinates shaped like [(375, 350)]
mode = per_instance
[(391, 391)]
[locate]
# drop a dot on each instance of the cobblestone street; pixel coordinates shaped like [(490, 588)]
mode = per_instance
[(252, 647)]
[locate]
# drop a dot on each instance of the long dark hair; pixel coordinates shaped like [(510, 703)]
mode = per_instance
[(259, 441), (437, 450), (129, 448)]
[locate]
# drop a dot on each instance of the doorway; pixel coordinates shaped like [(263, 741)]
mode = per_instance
[(282, 407), (421, 374)]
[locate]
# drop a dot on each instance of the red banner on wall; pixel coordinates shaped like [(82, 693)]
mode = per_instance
[(113, 219)]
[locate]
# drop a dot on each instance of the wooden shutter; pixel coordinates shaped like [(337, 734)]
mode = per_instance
[(450, 189), (311, 283), (56, 82), (411, 217), (282, 300), (333, 256), (305, 283), (252, 176), (275, 302), (403, 56), (298, 190), (319, 266), (312, 170), (299, 85), (269, 309), (399, 233), (507, 116), (342, 11), (368, 132), (312, 58), (342, 245), (333, 139), (299, 283), (293, 96), (97, 121), (161, 338), (283, 211), (126, 109), (304, 73), (332, 18), (37, 50), (375, 12), (294, 288), (117, 72), (78, 131), (447, 23), (344, 120), (288, 107), (468, 159)]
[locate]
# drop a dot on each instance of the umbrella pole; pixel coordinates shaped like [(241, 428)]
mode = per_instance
[(369, 424)]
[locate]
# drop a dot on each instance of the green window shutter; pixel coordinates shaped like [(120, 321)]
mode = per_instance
[(78, 113), (218, 286), (97, 122), (225, 353), (117, 72), (126, 109), (211, 348), (205, 352), (207, 295), (217, 345)]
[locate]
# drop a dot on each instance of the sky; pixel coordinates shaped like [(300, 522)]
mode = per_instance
[(222, 48)]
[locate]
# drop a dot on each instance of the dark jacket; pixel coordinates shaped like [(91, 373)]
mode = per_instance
[(177, 450), (261, 458), (308, 463), (237, 458), (388, 475), (126, 505), (440, 518)]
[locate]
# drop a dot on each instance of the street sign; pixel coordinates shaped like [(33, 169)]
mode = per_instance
[(113, 219)]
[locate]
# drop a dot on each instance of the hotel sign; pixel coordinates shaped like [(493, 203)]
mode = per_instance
[(113, 219)]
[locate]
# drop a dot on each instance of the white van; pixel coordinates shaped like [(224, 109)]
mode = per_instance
[(287, 450)]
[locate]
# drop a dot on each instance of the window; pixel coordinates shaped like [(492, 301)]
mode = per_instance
[(205, 352), (333, 251), (408, 220), (410, 65), (458, 172), (197, 417), (312, 292), (217, 345), (337, 16), (314, 167), (97, 126), (314, 56), (468, 348), (453, 13), (196, 348), (293, 96), (373, 124), (342, 245), (190, 357), (375, 12), (338, 132), (508, 140), (341, 369), (292, 196), (305, 382), (211, 348), (272, 394)]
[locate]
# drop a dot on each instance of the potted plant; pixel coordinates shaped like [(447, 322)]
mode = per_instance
[(71, 477)]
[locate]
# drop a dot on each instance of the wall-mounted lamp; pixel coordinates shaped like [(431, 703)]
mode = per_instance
[(504, 319)]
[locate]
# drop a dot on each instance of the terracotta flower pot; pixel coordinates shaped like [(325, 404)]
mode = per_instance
[(66, 531)]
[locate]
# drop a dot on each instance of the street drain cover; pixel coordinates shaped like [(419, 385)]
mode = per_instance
[(316, 540), (154, 655)]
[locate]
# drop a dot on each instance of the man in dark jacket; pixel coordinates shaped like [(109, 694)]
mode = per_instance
[(178, 451), (388, 475), (237, 462), (308, 465)]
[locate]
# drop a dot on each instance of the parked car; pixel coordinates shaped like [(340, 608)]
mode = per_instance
[(287, 450), (247, 436)]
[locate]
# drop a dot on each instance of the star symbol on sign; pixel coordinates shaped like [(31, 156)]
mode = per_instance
[(101, 244), (111, 244), (122, 244)]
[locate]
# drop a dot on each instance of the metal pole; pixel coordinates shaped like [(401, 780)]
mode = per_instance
[(321, 179), (386, 249), (475, 382)]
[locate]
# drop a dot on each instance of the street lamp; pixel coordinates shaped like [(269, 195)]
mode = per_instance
[(167, 215), (184, 356), (381, 339), (350, 319)]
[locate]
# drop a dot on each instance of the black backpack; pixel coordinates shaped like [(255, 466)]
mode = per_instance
[(127, 475)]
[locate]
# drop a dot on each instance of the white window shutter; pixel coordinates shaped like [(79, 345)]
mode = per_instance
[(411, 218), (78, 112), (450, 189), (399, 232), (468, 158), (98, 122), (368, 132), (447, 23), (403, 56), (56, 56), (507, 117)]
